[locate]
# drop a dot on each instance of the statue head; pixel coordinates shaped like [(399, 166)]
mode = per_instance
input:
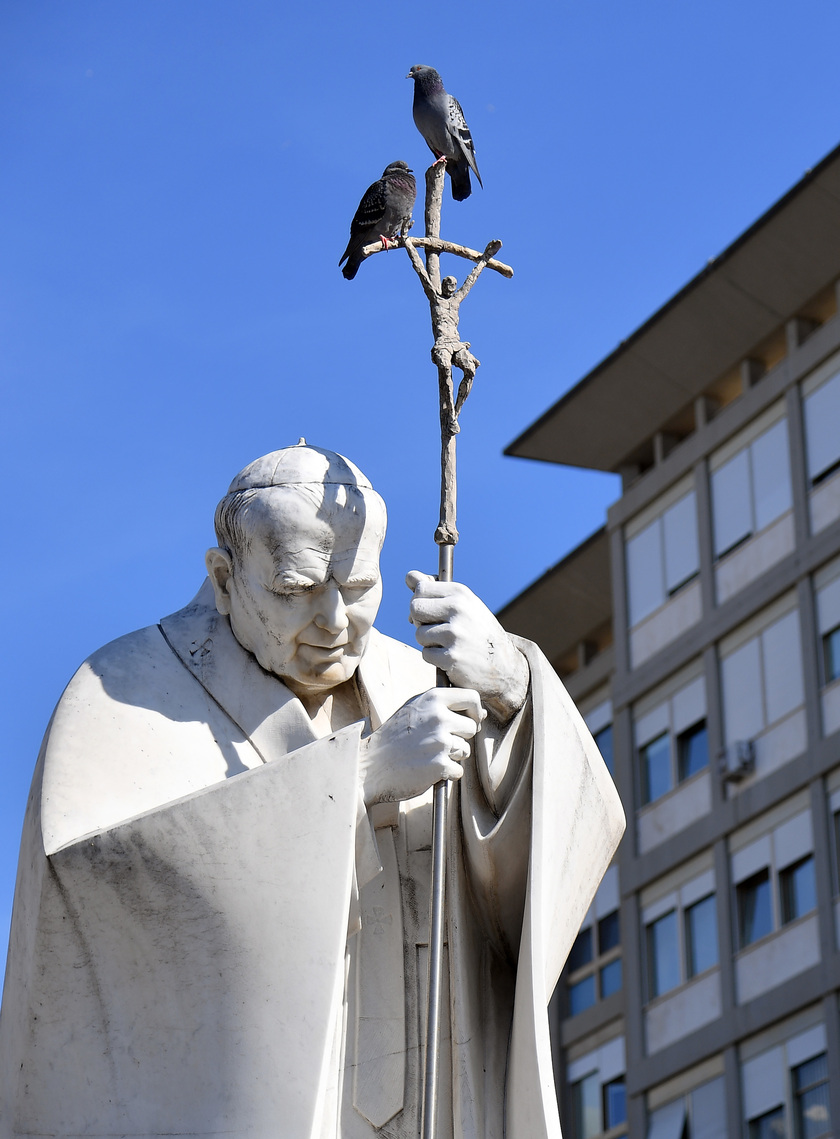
[(297, 566)]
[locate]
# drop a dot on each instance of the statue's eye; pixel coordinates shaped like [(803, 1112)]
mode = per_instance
[(293, 589)]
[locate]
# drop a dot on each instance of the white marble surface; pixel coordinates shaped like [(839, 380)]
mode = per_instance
[(215, 895)]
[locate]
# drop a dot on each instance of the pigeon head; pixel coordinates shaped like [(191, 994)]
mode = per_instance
[(398, 167), (426, 78)]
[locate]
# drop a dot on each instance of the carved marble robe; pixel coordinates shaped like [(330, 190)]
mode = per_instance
[(211, 935)]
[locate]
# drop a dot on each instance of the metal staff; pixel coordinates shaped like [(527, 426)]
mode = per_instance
[(444, 301)]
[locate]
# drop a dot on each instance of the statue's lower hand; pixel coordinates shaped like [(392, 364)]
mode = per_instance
[(422, 743), (460, 635)]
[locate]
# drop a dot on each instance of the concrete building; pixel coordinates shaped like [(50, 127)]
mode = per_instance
[(699, 632)]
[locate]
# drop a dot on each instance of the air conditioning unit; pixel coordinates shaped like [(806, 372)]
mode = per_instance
[(736, 760)]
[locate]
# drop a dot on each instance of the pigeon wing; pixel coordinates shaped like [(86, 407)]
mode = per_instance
[(371, 209), (461, 136)]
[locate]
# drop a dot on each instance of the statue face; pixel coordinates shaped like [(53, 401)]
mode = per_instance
[(306, 593)]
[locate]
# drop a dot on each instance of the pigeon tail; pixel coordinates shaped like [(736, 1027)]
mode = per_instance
[(460, 175)]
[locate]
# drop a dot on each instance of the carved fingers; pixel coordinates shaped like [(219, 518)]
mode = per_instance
[(459, 634), (424, 742)]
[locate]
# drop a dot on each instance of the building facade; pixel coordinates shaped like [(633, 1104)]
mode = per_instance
[(699, 632)]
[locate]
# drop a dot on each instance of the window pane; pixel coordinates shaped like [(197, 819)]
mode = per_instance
[(663, 954), (604, 742), (615, 1103), (822, 414), (587, 1107), (831, 654), (581, 953), (609, 932), (692, 750), (731, 510), (782, 657), (679, 532), (656, 768), (799, 889), (771, 474), (701, 935), (810, 1086), (743, 708), (611, 978), (708, 1111), (755, 912), (645, 583), (769, 1126), (582, 995)]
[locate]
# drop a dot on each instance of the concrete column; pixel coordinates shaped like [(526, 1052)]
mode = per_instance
[(727, 934), (832, 1032), (704, 536), (751, 372), (714, 722), (797, 329), (634, 985), (822, 866), (810, 643), (796, 443), (734, 1107), (619, 600)]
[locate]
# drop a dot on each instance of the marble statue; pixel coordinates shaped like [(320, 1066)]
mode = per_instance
[(221, 915)]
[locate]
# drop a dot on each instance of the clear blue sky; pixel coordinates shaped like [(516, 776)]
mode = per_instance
[(177, 183)]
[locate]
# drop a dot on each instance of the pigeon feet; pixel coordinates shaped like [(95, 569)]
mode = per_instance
[(386, 244), (438, 161)]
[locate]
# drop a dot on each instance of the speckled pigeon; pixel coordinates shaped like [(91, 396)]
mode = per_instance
[(441, 122), (384, 207)]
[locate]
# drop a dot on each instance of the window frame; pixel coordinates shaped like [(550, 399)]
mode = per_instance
[(652, 568), (593, 968)]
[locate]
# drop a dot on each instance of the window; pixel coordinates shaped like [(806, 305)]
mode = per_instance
[(663, 954), (822, 414), (582, 995), (798, 889), (771, 1125), (761, 678), (596, 1083), (701, 1114), (609, 932), (692, 750), (662, 557), (615, 1104), (701, 936), (670, 734), (589, 962), (610, 978), (831, 654), (581, 953), (586, 1107), (692, 757), (827, 592), (751, 489), (755, 913), (774, 875), (810, 1096), (681, 938), (656, 768), (785, 1086), (604, 742)]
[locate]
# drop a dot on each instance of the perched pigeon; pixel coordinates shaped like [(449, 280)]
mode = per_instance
[(381, 213), (441, 122)]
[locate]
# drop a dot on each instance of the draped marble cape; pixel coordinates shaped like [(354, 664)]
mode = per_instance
[(209, 927)]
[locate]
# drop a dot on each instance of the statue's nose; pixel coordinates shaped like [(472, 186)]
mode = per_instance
[(332, 612)]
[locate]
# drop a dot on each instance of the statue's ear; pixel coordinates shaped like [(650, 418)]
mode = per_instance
[(220, 571)]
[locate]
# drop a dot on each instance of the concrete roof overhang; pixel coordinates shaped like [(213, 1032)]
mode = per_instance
[(773, 269), (568, 602)]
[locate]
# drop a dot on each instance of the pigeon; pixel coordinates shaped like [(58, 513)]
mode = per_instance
[(441, 122), (385, 207)]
